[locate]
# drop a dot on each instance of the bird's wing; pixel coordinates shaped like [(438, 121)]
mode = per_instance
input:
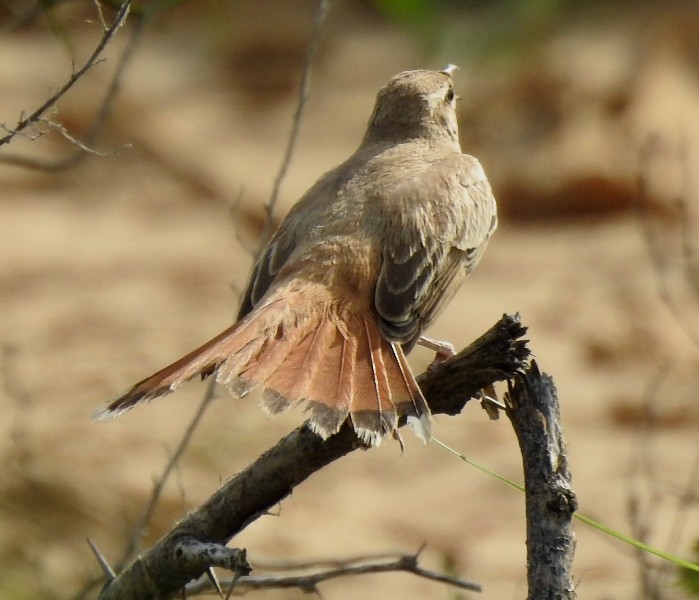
[(268, 266), (292, 233), (437, 233)]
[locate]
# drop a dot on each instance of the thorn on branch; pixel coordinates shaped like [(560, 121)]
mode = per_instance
[(213, 580), (103, 563)]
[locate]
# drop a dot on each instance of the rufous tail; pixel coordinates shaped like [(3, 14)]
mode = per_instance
[(336, 362)]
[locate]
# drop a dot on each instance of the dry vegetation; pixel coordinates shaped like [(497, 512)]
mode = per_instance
[(123, 262)]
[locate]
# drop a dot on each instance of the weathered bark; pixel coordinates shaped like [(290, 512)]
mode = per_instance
[(532, 407), (162, 571)]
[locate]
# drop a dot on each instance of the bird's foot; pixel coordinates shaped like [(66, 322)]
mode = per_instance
[(442, 350)]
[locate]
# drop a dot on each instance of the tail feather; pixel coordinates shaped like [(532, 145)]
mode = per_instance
[(337, 362), (373, 412), (295, 374), (415, 406), (228, 351), (334, 380), (268, 360), (201, 362)]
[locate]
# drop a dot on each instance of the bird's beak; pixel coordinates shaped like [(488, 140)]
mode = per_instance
[(449, 69)]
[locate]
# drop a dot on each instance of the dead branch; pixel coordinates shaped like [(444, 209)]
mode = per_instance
[(496, 356), (532, 407)]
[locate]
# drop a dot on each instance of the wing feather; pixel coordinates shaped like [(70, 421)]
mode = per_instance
[(268, 266), (432, 245)]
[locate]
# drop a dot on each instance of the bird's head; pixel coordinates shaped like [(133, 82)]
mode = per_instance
[(416, 104)]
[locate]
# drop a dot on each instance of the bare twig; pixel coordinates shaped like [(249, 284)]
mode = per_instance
[(21, 452), (86, 148), (657, 249), (323, 563), (76, 142), (100, 13), (643, 504), (75, 76), (648, 575), (308, 582), (689, 496), (233, 208), (304, 91)]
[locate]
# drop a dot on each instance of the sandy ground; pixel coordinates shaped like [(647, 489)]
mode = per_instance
[(112, 269)]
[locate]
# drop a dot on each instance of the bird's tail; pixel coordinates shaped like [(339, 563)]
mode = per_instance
[(336, 362)]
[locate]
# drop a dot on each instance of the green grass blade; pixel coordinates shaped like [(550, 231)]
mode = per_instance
[(680, 562)]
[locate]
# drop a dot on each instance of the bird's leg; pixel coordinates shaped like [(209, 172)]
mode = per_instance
[(442, 350)]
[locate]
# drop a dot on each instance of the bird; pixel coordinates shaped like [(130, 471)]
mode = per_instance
[(360, 266)]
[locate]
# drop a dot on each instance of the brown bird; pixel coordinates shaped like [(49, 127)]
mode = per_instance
[(360, 266)]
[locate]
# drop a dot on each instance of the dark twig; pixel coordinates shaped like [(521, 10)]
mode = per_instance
[(304, 91), (75, 76), (640, 523)]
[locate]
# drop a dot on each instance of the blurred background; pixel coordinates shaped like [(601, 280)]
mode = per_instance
[(585, 116)]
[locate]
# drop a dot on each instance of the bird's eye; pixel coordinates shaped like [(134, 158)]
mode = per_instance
[(450, 95)]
